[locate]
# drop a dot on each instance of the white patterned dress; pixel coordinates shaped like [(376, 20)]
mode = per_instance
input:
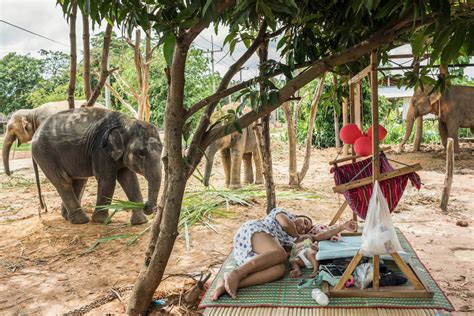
[(243, 238)]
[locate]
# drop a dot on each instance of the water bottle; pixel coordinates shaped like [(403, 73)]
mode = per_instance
[(319, 297)]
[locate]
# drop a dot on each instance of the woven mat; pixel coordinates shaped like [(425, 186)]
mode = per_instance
[(284, 292)]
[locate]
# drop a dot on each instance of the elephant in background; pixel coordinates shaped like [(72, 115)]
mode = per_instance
[(234, 148), (73, 145), (23, 124), (454, 108)]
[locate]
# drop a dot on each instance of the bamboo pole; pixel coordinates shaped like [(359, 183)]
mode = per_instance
[(345, 121), (375, 117), (448, 178)]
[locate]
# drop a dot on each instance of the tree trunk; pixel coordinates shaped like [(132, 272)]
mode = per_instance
[(309, 136), (104, 72), (264, 143), (154, 266), (293, 173), (448, 179), (73, 56), (87, 56)]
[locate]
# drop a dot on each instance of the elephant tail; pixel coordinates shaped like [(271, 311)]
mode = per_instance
[(38, 186)]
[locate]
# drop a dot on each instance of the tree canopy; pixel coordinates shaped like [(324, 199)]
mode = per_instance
[(316, 37)]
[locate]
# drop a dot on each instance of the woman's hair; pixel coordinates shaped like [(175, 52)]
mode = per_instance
[(307, 217)]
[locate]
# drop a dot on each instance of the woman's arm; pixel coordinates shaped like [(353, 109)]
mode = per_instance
[(349, 225), (287, 224)]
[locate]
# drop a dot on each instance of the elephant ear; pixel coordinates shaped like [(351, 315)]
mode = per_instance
[(434, 97), (24, 122), (113, 141)]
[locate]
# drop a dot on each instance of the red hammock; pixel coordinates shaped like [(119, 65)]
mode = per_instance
[(358, 198)]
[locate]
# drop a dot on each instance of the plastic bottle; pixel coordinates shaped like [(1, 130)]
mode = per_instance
[(319, 297)]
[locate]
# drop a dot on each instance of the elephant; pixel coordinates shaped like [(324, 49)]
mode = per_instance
[(234, 148), (454, 108), (23, 124), (73, 145)]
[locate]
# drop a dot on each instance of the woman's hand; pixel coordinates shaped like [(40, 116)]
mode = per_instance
[(350, 225), (300, 238)]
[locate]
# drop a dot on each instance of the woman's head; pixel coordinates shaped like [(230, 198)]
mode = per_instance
[(303, 224)]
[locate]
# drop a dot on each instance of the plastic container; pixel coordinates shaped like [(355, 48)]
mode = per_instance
[(319, 297)]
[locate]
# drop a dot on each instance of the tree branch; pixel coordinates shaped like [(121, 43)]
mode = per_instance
[(104, 72), (119, 97), (381, 37), (73, 55), (194, 153), (219, 94)]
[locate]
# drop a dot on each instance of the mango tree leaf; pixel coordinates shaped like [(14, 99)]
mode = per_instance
[(237, 127), (168, 48)]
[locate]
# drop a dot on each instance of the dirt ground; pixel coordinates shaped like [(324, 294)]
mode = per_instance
[(45, 269)]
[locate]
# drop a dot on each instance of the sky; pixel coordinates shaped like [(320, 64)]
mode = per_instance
[(45, 18)]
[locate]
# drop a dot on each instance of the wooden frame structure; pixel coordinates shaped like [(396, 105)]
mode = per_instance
[(420, 289)]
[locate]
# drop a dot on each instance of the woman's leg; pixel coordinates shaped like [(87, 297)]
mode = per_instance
[(269, 254), (261, 277)]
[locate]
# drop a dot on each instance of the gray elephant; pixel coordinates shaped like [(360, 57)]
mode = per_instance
[(73, 145), (23, 124), (454, 108), (234, 148)]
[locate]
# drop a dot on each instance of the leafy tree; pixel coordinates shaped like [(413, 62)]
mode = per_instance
[(19, 76), (317, 35)]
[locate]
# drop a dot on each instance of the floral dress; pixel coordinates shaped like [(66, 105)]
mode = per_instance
[(243, 238)]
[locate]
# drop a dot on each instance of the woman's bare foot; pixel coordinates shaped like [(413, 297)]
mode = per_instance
[(296, 272), (231, 283), (219, 290)]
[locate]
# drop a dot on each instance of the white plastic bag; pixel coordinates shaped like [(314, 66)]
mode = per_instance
[(379, 236), (363, 275)]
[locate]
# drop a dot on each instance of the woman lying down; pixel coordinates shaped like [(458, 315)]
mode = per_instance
[(259, 249)]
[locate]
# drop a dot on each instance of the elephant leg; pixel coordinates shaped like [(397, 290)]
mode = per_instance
[(453, 133), (258, 166), (443, 133), (78, 186), (129, 182), (75, 214), (248, 172), (105, 192), (226, 163), (236, 163)]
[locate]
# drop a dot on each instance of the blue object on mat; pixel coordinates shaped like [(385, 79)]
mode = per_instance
[(161, 302), (346, 247)]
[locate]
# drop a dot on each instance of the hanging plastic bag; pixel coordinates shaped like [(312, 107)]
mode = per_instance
[(363, 275), (379, 236)]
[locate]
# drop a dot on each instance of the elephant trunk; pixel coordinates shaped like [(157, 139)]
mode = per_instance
[(7, 144), (153, 177), (210, 154), (410, 122)]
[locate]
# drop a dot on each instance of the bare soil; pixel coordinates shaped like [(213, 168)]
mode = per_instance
[(45, 269)]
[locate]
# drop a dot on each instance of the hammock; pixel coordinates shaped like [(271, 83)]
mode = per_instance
[(358, 198)]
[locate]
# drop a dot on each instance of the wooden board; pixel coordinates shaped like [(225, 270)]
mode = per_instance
[(383, 176)]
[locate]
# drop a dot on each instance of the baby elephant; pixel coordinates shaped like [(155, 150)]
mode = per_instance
[(73, 145)]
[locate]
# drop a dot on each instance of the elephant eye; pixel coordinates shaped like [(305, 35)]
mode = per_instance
[(141, 153)]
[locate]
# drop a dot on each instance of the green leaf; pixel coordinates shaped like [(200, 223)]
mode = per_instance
[(418, 44), (451, 50), (206, 6), (168, 48), (237, 127)]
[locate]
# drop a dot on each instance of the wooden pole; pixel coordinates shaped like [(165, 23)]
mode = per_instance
[(375, 117), (357, 105), (352, 105), (335, 116), (345, 121), (448, 178)]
